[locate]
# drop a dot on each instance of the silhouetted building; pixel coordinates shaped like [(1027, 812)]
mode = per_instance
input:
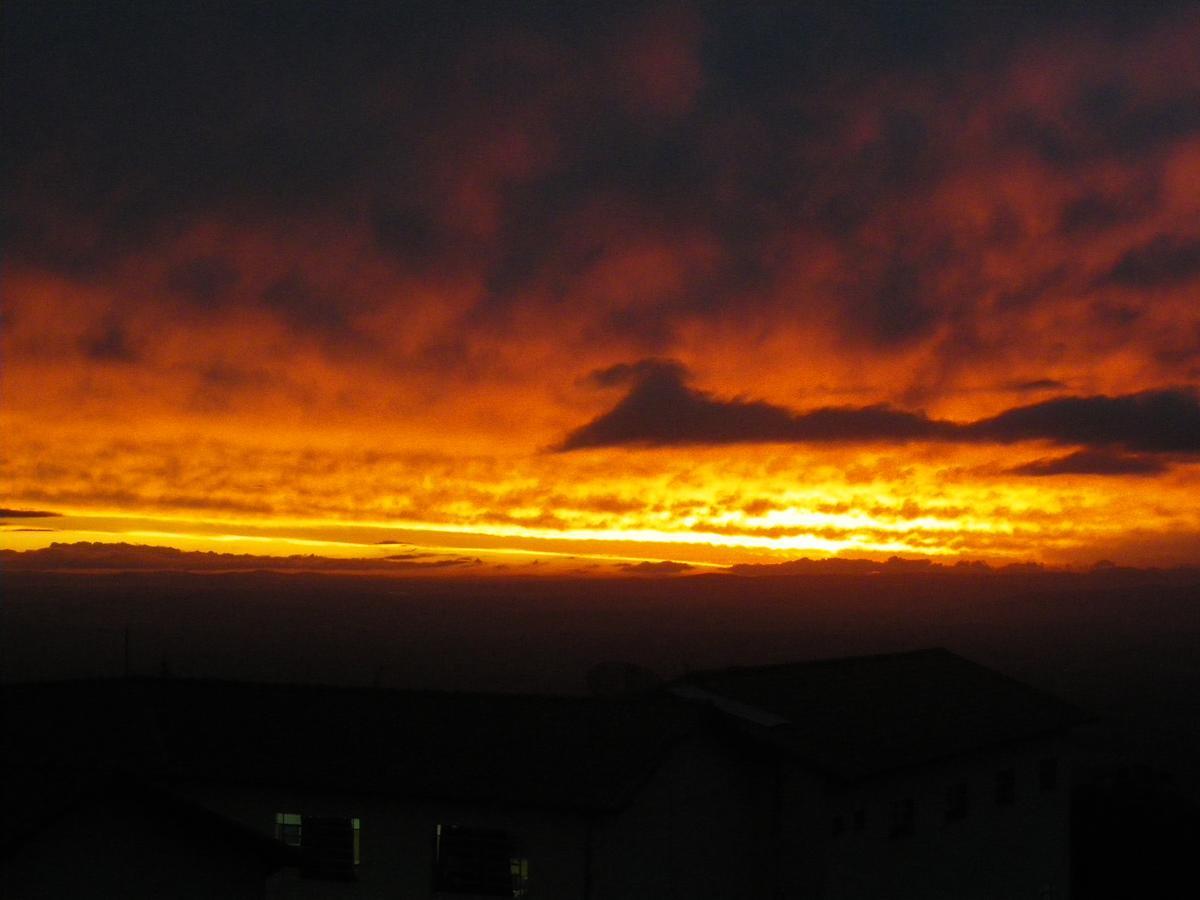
[(916, 774), (102, 836)]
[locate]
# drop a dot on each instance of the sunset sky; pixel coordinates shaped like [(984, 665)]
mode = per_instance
[(466, 285)]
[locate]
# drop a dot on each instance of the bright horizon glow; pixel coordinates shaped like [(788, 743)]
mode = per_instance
[(630, 285)]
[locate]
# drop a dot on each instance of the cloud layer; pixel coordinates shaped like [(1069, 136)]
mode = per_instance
[(353, 263)]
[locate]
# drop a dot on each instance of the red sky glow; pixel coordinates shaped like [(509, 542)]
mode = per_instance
[(597, 287)]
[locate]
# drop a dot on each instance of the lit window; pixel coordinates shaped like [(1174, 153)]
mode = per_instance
[(287, 828), (519, 866), (957, 802), (477, 861)]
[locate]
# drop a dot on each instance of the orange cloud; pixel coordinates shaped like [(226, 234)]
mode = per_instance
[(371, 295)]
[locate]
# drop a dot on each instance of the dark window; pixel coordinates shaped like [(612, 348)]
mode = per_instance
[(328, 847), (904, 817), (287, 828), (860, 819), (476, 861), (519, 866), (839, 826), (1048, 774), (957, 802), (1006, 787)]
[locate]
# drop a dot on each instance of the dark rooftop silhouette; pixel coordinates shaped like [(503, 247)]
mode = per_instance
[(860, 716), (850, 717), (514, 750)]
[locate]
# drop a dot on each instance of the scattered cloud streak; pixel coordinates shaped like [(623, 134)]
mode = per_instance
[(137, 557), (665, 567), (1094, 462)]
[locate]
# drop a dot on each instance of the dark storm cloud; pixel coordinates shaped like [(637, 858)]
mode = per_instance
[(128, 125), (635, 373), (662, 409), (1106, 120), (1165, 260), (666, 567), (128, 121), (203, 281), (1092, 213), (111, 343), (145, 114), (897, 309), (1126, 124), (1094, 462), (1149, 422), (1037, 384), (300, 303), (410, 234)]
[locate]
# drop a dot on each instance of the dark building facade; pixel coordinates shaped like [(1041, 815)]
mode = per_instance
[(906, 775)]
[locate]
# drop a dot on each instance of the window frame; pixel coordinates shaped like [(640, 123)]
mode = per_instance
[(515, 866), (290, 830)]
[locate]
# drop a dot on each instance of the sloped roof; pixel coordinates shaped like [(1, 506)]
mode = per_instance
[(36, 799), (851, 718), (861, 716), (532, 751)]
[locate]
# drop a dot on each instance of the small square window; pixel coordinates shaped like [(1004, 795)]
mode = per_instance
[(1006, 787), (287, 828)]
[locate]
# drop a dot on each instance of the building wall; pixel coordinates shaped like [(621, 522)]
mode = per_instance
[(716, 822), (696, 830), (107, 851), (995, 852), (800, 862), (397, 841)]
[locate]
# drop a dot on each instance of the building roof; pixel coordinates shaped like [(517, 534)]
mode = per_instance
[(35, 800), (850, 718), (527, 751), (862, 716)]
